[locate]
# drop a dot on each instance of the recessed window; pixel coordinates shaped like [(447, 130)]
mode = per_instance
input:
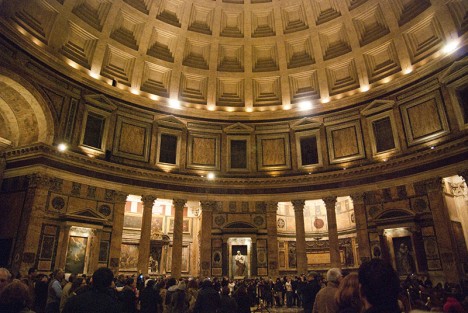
[(462, 95), (168, 149), (94, 130), (309, 153), (383, 134), (238, 154)]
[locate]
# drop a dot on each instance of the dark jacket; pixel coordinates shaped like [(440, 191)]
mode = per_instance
[(243, 303), (389, 309), (93, 301), (127, 299), (228, 305), (208, 301), (309, 292), (150, 300)]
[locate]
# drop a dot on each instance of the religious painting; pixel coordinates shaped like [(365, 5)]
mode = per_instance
[(185, 259), (154, 259), (75, 261), (156, 227), (239, 260), (129, 257), (430, 246), (404, 255), (281, 259), (292, 261)]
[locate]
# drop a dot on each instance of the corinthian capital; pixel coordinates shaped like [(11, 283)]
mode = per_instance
[(271, 206), (179, 203), (298, 205), (357, 197), (148, 200), (330, 202), (208, 205)]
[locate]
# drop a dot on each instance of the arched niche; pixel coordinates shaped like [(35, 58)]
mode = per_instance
[(25, 117)]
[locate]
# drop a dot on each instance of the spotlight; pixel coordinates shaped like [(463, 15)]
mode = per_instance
[(450, 47), (62, 147), (305, 105), (210, 176), (173, 103)]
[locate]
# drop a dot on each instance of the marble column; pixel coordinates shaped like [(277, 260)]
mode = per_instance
[(205, 247), (176, 265), (94, 251), (272, 238), (335, 259), (62, 246), (301, 255), (361, 227), (117, 231), (144, 248), (32, 216), (443, 229)]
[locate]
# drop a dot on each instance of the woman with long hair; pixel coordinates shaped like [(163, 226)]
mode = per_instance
[(347, 296)]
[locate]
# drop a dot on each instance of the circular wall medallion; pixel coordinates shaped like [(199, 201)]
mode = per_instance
[(105, 210), (219, 220), (58, 203), (258, 220), (318, 223), (281, 223), (373, 211)]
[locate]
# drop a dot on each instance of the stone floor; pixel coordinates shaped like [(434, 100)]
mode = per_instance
[(279, 310)]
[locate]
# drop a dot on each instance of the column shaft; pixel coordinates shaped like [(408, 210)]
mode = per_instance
[(205, 247), (272, 238), (62, 246), (335, 258), (301, 255), (94, 253), (176, 265), (117, 231), (361, 227), (144, 248)]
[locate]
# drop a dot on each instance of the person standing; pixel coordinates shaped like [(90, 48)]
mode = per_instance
[(309, 292), (208, 300), (228, 304), (150, 300), (325, 299), (347, 295), (54, 292)]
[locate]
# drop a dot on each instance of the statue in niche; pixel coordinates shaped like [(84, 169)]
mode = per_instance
[(404, 255), (240, 264)]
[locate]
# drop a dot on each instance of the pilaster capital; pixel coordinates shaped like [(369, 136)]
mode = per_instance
[(330, 202), (179, 203), (121, 197), (148, 201), (38, 180), (271, 206), (208, 205), (358, 198), (298, 205)]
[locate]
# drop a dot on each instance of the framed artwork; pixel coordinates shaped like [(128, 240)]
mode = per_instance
[(103, 251), (76, 253), (157, 223), (47, 247), (186, 225), (404, 255), (129, 257), (185, 259)]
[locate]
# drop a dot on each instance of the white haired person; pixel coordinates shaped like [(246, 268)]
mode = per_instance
[(325, 300), (5, 277)]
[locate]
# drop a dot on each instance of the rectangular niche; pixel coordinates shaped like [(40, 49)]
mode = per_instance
[(308, 146), (169, 145), (132, 138), (273, 152), (383, 135), (345, 142), (94, 132), (204, 151), (238, 153), (424, 118)]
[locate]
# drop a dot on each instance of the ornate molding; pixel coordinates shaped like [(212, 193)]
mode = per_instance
[(148, 201), (37, 180), (208, 205), (298, 205), (358, 198), (330, 202), (179, 203), (121, 197), (271, 207)]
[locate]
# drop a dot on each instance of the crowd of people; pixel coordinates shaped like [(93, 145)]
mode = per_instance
[(374, 288)]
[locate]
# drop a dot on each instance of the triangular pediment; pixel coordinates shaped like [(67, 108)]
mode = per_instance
[(238, 128), (87, 214), (378, 106), (306, 123), (457, 70), (170, 121), (101, 101)]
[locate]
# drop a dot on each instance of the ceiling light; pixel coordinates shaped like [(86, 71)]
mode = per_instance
[(211, 107), (325, 100), (408, 70), (450, 47), (210, 176), (62, 147), (94, 75), (287, 107), (248, 109), (305, 105), (154, 97), (174, 103), (135, 91), (365, 88)]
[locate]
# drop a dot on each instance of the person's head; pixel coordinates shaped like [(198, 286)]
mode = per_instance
[(192, 284), (58, 274), (334, 275), (379, 284), (5, 277), (171, 282), (77, 283), (150, 283), (225, 291), (311, 276), (206, 283), (15, 296), (348, 292), (102, 278), (32, 272)]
